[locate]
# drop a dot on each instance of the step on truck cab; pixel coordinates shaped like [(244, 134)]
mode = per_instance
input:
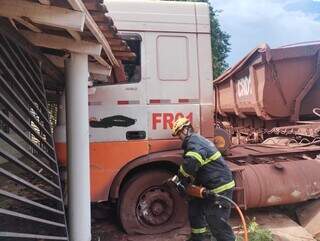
[(131, 148)]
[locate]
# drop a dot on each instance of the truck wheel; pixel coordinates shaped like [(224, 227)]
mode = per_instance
[(148, 207)]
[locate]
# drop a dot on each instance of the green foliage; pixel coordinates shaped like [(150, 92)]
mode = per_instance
[(219, 41), (256, 233)]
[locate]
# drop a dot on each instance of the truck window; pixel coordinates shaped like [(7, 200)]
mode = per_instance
[(130, 69), (133, 67), (172, 58)]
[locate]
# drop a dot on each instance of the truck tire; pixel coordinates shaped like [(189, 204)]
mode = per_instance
[(148, 207)]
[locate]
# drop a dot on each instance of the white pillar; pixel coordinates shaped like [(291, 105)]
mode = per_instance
[(78, 147)]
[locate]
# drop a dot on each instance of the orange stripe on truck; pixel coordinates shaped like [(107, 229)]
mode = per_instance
[(108, 158)]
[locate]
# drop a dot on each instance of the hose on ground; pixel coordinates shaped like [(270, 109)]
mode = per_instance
[(245, 231)]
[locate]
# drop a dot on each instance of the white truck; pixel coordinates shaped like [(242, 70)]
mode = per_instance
[(131, 147)]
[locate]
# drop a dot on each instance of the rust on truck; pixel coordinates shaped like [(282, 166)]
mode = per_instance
[(284, 76), (269, 88), (270, 175)]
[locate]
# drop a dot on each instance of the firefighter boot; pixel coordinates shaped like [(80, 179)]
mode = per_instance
[(200, 237)]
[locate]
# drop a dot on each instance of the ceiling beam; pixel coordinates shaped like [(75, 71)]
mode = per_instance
[(121, 54), (43, 14), (93, 27), (62, 43), (116, 41), (45, 2), (28, 25), (94, 68), (48, 68), (102, 61), (99, 69), (99, 59), (75, 35), (13, 23)]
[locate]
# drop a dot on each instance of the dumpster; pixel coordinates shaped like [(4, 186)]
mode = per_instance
[(271, 84)]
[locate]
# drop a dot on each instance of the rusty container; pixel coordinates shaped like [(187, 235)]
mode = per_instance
[(281, 183), (281, 83)]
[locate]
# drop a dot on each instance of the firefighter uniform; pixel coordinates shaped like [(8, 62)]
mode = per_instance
[(204, 164)]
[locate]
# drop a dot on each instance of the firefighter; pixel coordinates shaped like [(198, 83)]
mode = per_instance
[(203, 165)]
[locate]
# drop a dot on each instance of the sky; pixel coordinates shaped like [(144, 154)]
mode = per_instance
[(275, 22)]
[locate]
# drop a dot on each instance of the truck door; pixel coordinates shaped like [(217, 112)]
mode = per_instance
[(172, 86), (117, 109)]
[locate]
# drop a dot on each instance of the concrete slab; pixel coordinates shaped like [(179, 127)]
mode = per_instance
[(309, 217), (282, 227)]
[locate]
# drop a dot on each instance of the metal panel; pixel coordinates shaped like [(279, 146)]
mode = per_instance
[(31, 204), (272, 84)]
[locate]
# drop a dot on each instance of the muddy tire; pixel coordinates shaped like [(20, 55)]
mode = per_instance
[(147, 207)]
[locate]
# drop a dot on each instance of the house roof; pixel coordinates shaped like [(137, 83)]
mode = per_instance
[(59, 27)]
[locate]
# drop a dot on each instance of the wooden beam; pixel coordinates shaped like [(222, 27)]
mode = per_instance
[(121, 48), (45, 2), (101, 17), (13, 23), (48, 68), (110, 34), (127, 58), (94, 68), (95, 6), (99, 77), (28, 25), (117, 41), (92, 26), (43, 14), (106, 27), (99, 69), (124, 54), (75, 35), (62, 43), (56, 60), (102, 61)]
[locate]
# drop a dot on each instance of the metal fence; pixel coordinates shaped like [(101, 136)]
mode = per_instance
[(31, 204)]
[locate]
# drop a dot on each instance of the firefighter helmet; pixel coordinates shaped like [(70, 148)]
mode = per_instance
[(179, 124)]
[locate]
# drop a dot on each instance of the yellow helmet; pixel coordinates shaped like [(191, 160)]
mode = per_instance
[(179, 124)]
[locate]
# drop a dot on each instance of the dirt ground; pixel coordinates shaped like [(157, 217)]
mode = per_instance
[(105, 226)]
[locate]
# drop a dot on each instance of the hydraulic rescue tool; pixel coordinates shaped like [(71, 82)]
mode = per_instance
[(202, 192)]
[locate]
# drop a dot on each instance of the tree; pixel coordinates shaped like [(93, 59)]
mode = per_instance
[(219, 41)]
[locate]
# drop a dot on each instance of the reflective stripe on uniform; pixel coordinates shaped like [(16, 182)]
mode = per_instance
[(183, 172), (199, 230), (195, 155), (199, 158), (214, 157), (224, 187)]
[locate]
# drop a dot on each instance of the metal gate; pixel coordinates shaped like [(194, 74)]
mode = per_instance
[(31, 204)]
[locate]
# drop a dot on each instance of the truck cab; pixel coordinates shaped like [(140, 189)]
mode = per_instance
[(131, 147)]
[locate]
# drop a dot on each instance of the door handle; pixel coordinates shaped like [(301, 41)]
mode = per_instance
[(135, 135)]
